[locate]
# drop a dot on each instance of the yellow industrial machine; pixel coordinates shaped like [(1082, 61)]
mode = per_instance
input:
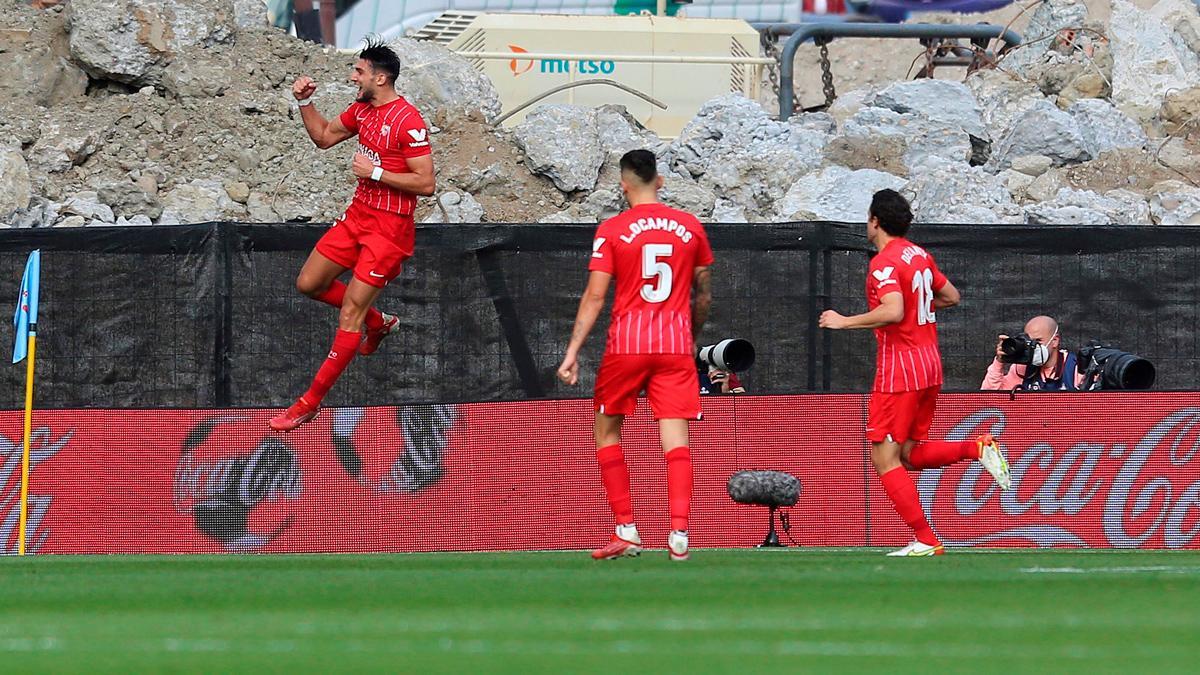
[(679, 62)]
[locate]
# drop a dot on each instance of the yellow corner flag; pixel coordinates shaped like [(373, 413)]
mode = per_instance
[(25, 322)]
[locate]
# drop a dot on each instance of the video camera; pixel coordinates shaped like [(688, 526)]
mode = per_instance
[(1108, 368), (733, 354)]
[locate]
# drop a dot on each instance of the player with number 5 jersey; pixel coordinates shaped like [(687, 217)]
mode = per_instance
[(905, 290), (657, 256)]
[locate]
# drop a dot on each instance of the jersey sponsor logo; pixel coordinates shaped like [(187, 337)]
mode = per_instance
[(596, 247), (370, 154), (418, 136), (884, 276)]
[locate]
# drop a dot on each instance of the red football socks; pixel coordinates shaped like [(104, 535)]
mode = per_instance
[(935, 454), (337, 292), (679, 486), (903, 493), (615, 476), (345, 346)]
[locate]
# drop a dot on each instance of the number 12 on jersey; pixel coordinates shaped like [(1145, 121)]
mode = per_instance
[(923, 287), (654, 268)]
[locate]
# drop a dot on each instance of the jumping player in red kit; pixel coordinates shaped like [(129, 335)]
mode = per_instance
[(904, 291), (375, 235), (656, 254)]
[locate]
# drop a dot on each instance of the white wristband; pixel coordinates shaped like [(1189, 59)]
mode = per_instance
[(303, 102), (377, 173)]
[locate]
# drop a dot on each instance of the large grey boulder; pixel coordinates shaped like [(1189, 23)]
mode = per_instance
[(15, 188), (200, 201), (725, 211), (37, 71), (250, 13), (562, 142), (620, 131), (1175, 203), (835, 193), (88, 205), (922, 137), (1084, 207), (685, 194), (953, 192), (128, 198), (1043, 129), (41, 212), (1146, 61), (1182, 18), (456, 207), (133, 41), (66, 142), (1104, 127), (733, 148), (950, 103), (1002, 97), (1050, 17), (440, 82)]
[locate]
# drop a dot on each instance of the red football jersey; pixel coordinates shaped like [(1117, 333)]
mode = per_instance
[(907, 358), (388, 135), (653, 251)]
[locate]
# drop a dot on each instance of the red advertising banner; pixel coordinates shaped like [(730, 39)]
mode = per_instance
[(1094, 470)]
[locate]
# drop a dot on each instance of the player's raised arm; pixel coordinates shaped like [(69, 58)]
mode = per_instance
[(589, 310), (324, 133), (701, 299)]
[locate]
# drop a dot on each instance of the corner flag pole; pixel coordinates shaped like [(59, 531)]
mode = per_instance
[(25, 323), (28, 433)]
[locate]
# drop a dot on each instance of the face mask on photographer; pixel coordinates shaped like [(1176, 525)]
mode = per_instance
[(1041, 353)]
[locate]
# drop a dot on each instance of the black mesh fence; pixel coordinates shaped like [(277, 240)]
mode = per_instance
[(208, 315)]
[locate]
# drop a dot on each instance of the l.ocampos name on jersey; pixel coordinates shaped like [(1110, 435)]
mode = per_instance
[(649, 224)]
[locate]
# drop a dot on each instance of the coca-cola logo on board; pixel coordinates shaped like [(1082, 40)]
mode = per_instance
[(1144, 491)]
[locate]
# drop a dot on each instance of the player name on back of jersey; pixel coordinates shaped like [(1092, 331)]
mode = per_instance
[(911, 252), (642, 225)]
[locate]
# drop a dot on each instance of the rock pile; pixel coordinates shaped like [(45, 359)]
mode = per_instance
[(179, 111)]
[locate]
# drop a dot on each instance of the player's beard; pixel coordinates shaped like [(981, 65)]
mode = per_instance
[(365, 95)]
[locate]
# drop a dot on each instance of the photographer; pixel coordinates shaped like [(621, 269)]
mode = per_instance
[(1041, 364), (715, 381)]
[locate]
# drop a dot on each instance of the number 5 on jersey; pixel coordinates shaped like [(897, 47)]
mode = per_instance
[(654, 268)]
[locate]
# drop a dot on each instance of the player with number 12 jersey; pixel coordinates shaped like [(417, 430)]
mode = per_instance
[(905, 289)]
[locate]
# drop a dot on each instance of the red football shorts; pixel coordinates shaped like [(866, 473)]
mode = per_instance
[(903, 415), (669, 380), (371, 242)]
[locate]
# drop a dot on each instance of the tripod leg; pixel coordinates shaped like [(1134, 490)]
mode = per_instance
[(772, 539)]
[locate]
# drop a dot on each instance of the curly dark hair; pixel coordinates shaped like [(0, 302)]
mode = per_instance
[(893, 212)]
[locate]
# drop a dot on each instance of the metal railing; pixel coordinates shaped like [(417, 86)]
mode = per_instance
[(826, 32)]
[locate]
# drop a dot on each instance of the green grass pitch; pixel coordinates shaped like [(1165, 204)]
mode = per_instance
[(735, 611)]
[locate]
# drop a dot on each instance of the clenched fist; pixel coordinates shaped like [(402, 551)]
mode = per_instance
[(303, 88), (362, 166)]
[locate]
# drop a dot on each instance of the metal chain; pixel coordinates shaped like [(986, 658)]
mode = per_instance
[(770, 43), (827, 75)]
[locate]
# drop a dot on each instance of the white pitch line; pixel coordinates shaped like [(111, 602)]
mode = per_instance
[(1112, 570)]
